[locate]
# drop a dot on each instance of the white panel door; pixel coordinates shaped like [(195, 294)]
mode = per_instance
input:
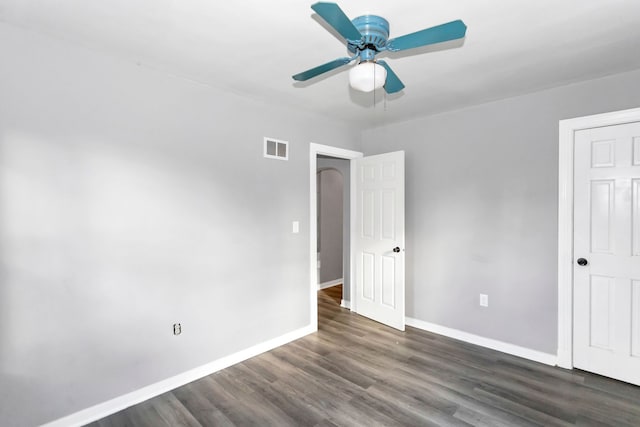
[(378, 244), (606, 331)]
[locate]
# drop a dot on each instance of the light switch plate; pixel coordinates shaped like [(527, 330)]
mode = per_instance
[(484, 300), (296, 227)]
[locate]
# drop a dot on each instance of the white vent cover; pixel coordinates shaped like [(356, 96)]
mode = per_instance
[(276, 149)]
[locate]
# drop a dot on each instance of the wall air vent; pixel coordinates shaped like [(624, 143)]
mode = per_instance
[(276, 149)]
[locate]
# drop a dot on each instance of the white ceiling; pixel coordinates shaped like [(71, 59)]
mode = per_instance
[(253, 47)]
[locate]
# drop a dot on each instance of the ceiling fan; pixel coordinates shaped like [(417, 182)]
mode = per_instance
[(367, 36)]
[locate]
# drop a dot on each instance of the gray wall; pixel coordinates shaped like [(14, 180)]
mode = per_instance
[(130, 200), (330, 210), (344, 166), (481, 208)]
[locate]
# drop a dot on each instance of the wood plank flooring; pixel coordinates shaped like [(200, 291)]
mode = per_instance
[(356, 372)]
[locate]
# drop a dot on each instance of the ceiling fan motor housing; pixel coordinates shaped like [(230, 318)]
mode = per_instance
[(375, 33)]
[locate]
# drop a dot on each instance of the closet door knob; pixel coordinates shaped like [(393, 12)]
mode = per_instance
[(582, 262), (396, 249)]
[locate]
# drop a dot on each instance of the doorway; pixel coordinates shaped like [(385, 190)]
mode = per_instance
[(376, 257), (324, 156), (333, 230), (599, 245)]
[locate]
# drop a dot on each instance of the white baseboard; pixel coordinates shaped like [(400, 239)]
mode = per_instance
[(330, 283), (564, 359), (345, 304), (526, 353), (112, 406)]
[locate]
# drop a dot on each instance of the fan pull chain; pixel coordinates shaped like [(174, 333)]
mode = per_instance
[(385, 100), (374, 98)]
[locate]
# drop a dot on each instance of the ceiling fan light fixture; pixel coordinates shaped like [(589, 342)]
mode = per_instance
[(367, 76)]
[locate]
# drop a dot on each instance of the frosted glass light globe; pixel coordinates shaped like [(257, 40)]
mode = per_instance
[(367, 76)]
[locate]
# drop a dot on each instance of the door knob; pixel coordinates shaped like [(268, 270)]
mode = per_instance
[(582, 262), (396, 249)]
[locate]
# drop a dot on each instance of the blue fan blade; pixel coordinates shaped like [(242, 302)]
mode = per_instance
[(393, 83), (306, 75), (441, 33), (335, 17)]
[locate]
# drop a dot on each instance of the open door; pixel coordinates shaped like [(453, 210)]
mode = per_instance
[(378, 238)]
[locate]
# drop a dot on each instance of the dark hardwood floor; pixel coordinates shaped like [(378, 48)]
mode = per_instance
[(356, 372)]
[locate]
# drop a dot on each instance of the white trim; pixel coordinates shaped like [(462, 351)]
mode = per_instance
[(341, 153), (119, 403), (330, 284), (515, 350), (345, 304), (567, 129), (352, 235)]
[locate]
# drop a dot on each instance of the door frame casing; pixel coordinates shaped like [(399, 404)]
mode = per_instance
[(340, 153), (567, 130)]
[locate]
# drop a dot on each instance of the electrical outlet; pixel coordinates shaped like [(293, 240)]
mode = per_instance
[(484, 300), (177, 329)]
